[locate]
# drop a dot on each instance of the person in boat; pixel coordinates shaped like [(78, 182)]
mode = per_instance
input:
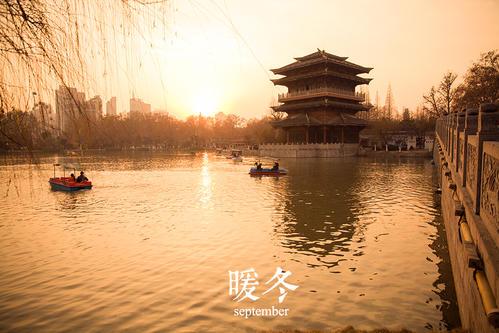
[(276, 166), (258, 166), (81, 178), (73, 178)]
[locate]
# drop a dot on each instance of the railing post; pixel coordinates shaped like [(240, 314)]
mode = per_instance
[(470, 127), (439, 128), (452, 132), (461, 116), (444, 128), (447, 132), (488, 120)]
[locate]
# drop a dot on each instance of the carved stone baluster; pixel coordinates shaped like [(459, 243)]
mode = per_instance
[(488, 120), (470, 128)]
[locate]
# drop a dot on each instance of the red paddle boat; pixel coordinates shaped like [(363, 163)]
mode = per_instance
[(68, 184)]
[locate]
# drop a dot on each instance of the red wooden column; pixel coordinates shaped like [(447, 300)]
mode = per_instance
[(306, 134), (324, 134), (287, 136)]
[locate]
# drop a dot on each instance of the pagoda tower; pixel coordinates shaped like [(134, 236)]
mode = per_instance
[(321, 101)]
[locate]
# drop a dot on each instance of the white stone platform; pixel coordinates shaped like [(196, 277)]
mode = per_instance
[(327, 150)]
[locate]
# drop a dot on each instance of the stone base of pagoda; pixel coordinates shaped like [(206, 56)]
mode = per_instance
[(326, 150)]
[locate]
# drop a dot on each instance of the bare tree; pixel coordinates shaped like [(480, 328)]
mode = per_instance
[(432, 105), (389, 107), (276, 115), (446, 91), (440, 101)]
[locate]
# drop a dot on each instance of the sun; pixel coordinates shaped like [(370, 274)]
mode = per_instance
[(205, 103)]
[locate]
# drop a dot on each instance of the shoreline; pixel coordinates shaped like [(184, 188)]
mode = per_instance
[(404, 153)]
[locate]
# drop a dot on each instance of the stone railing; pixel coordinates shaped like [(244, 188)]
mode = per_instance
[(298, 144), (467, 155), (463, 137)]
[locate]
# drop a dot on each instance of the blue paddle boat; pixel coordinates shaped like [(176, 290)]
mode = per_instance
[(268, 172)]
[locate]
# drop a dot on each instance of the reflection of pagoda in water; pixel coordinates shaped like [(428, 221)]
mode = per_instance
[(318, 213), (321, 104)]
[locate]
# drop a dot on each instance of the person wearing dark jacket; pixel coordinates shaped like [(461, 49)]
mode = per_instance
[(81, 178)]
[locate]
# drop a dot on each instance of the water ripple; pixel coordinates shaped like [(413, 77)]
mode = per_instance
[(150, 247)]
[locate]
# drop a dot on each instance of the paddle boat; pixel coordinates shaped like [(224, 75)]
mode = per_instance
[(274, 171), (268, 172), (68, 184), (236, 155)]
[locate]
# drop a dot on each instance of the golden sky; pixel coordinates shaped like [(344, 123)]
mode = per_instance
[(216, 55)]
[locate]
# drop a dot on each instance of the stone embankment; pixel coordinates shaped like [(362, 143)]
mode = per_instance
[(467, 157)]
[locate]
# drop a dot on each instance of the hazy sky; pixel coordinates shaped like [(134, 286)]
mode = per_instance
[(216, 55)]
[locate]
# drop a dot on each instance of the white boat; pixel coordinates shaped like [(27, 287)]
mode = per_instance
[(236, 155)]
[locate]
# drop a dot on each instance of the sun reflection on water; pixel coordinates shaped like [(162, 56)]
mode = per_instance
[(205, 190)]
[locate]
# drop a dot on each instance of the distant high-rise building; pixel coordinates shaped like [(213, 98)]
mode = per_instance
[(137, 107), (111, 107), (44, 115), (93, 108), (69, 104)]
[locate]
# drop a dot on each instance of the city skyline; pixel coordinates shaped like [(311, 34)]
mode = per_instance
[(211, 57)]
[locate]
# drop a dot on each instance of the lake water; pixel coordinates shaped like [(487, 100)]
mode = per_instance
[(150, 247)]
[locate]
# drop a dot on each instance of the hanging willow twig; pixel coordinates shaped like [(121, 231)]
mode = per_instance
[(46, 44)]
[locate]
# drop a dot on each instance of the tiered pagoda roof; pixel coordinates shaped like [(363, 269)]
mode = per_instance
[(318, 73), (321, 81), (303, 119), (322, 102), (322, 57)]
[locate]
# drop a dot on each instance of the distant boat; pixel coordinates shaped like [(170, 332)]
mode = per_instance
[(268, 172), (68, 184), (236, 155)]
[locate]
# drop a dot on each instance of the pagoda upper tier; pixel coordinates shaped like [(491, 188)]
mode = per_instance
[(321, 61), (321, 80)]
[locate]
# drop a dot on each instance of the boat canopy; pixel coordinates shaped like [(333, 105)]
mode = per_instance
[(72, 166)]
